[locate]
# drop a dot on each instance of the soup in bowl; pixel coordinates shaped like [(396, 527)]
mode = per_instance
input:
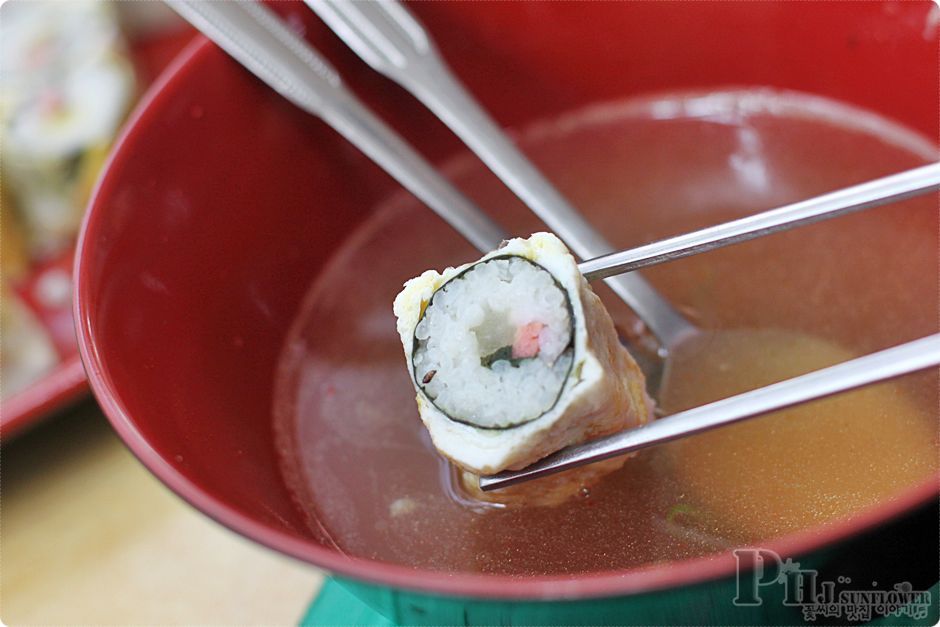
[(238, 264)]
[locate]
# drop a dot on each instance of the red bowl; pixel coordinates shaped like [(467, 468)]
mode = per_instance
[(207, 228)]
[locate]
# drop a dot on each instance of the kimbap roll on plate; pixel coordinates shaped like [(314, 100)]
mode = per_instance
[(66, 83), (514, 357)]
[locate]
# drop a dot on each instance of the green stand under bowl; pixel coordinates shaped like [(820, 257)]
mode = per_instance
[(336, 606)]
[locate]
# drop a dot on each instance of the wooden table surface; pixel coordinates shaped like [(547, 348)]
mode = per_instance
[(89, 536)]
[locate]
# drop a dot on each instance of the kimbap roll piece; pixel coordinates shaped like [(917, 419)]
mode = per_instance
[(514, 357), (66, 83)]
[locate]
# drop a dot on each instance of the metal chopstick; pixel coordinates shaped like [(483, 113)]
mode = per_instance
[(886, 364), (387, 37), (866, 195), (255, 36)]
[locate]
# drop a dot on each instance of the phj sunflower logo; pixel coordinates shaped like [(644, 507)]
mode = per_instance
[(758, 569)]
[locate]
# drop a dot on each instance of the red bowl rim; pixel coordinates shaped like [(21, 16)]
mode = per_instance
[(607, 583)]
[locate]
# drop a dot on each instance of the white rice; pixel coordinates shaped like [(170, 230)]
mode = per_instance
[(476, 314)]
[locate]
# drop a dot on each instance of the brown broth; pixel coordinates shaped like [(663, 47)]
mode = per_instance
[(361, 466)]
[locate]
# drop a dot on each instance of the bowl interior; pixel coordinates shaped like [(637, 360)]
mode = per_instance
[(222, 202)]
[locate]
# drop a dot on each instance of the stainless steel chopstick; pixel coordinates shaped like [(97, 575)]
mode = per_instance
[(886, 364), (866, 195), (255, 36), (259, 40), (389, 39)]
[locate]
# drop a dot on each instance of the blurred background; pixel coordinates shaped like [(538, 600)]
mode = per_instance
[(88, 535)]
